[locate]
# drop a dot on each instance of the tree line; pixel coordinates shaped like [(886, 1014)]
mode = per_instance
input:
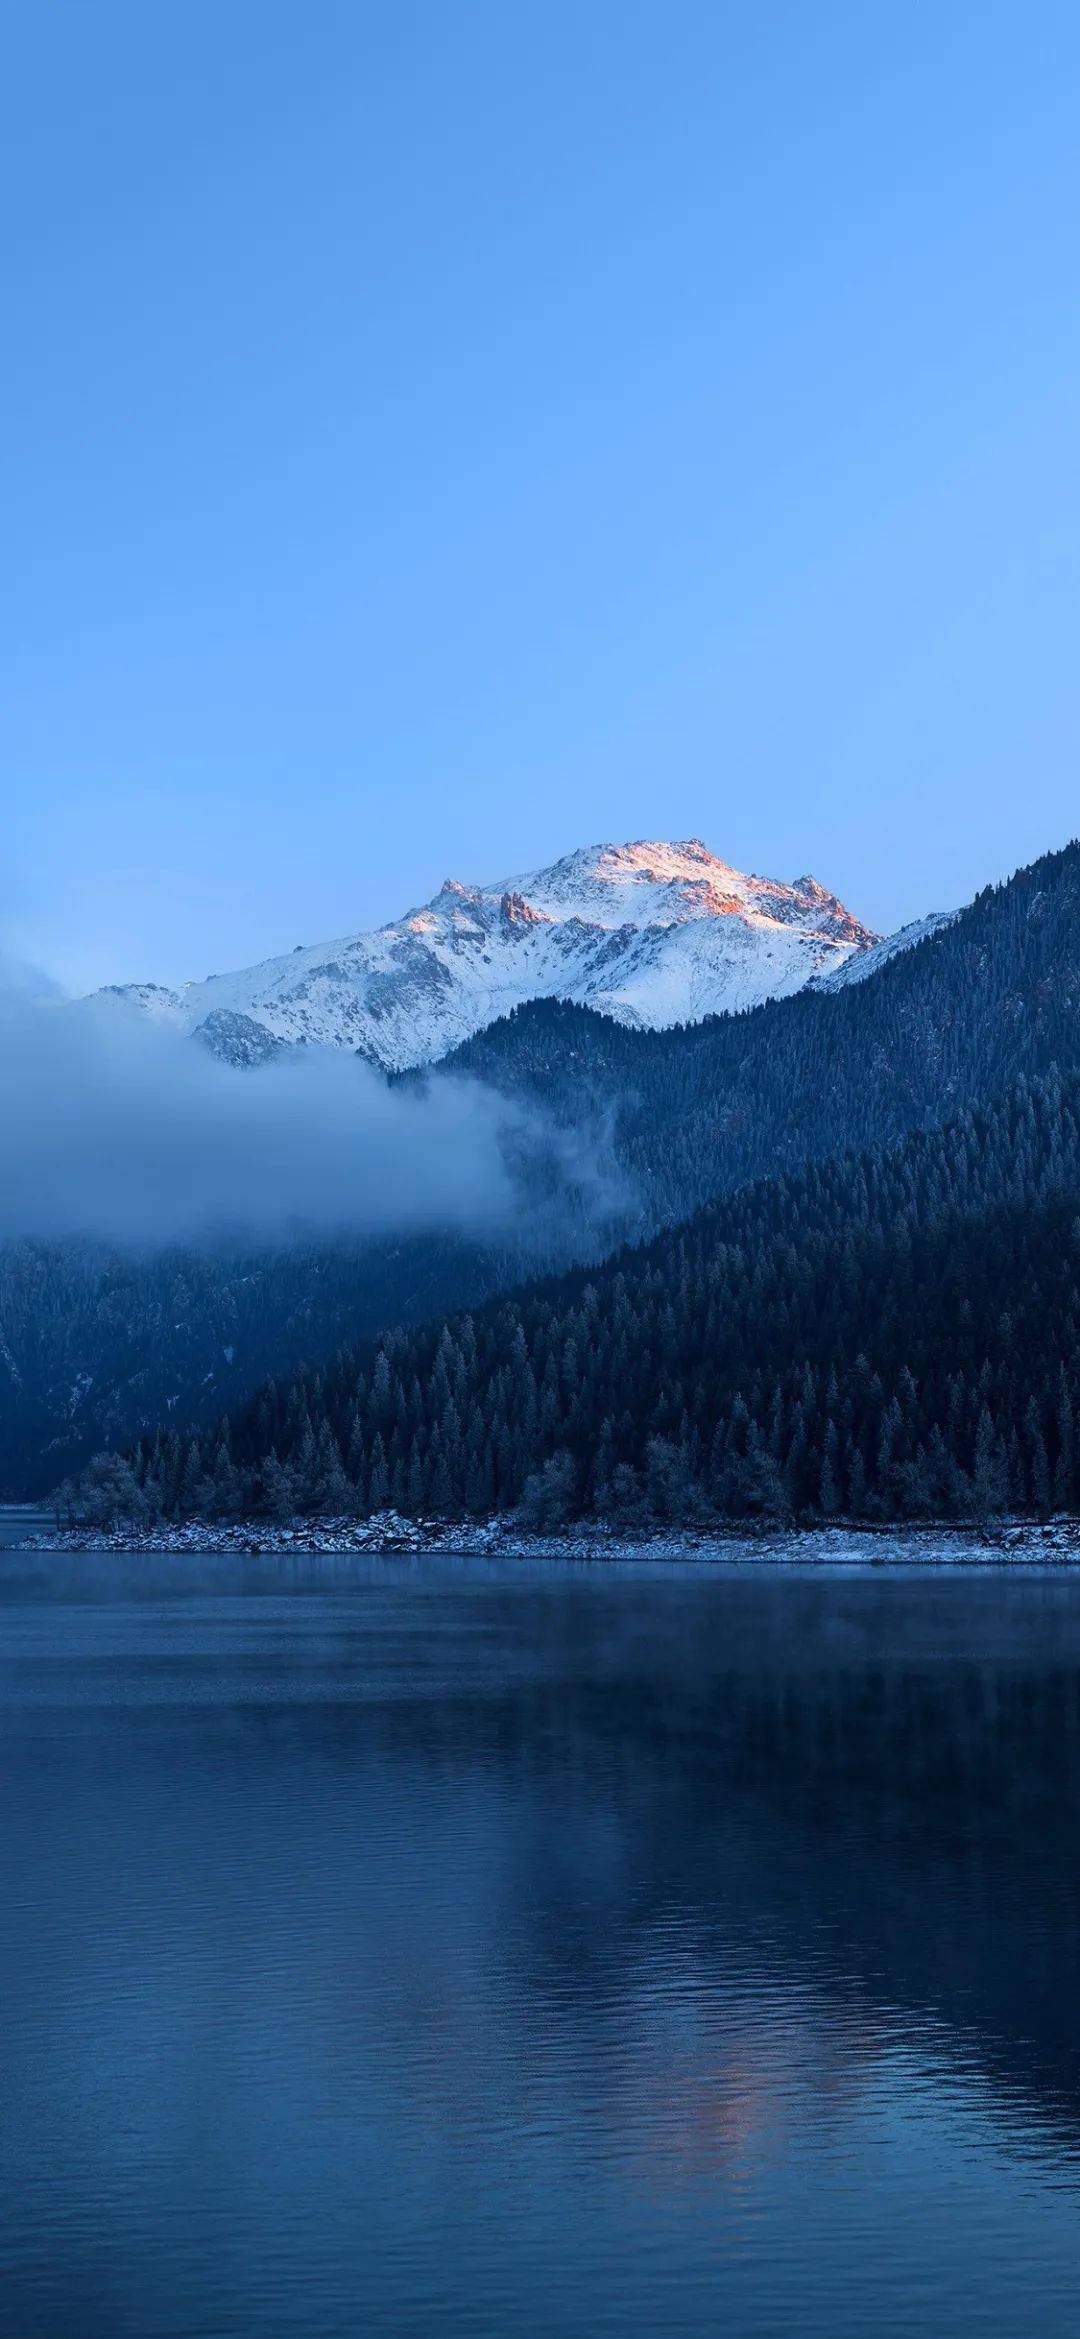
[(889, 1334), (701, 1110), (96, 1347)]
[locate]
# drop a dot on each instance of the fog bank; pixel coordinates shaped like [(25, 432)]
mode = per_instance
[(116, 1128)]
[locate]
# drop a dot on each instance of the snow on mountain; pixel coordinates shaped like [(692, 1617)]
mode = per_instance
[(866, 962), (650, 933)]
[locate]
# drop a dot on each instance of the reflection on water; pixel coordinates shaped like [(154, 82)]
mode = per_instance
[(398, 1948)]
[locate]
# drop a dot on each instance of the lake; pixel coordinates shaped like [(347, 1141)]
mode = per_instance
[(506, 1949)]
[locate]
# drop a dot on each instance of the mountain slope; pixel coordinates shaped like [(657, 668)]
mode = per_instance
[(96, 1346), (866, 962), (92, 1353), (985, 997), (887, 1333), (650, 933)]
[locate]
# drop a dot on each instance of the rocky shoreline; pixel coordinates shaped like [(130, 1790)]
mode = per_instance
[(1055, 1542)]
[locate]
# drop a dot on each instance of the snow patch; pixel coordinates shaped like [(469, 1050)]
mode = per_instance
[(650, 933), (857, 968)]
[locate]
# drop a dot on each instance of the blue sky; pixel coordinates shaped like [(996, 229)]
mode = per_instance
[(436, 436)]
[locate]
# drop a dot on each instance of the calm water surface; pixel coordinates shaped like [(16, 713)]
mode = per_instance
[(391, 1948)]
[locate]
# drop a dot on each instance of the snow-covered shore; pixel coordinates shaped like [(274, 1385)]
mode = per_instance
[(1055, 1542)]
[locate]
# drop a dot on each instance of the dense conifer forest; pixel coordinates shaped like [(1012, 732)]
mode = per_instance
[(886, 1334), (96, 1346), (699, 1111)]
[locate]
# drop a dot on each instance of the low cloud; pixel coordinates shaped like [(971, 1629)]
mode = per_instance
[(116, 1128)]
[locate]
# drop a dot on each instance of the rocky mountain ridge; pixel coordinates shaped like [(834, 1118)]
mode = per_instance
[(650, 933)]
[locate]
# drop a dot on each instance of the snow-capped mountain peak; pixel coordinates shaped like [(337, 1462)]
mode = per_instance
[(650, 932)]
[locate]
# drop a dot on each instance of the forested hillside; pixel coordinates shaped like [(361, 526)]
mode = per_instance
[(98, 1344), (698, 1111), (887, 1334), (95, 1347)]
